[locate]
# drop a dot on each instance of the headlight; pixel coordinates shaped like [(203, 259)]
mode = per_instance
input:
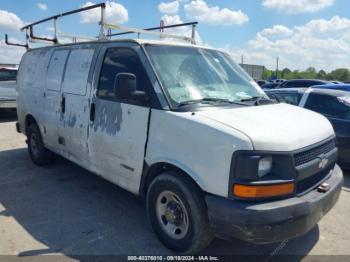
[(265, 165), (252, 166), (261, 174)]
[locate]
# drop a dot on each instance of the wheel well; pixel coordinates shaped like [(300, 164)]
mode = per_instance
[(157, 169), (29, 121)]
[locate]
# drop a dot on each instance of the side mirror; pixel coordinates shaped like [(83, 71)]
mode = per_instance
[(125, 85)]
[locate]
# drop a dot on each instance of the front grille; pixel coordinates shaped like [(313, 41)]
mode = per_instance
[(313, 181), (311, 154)]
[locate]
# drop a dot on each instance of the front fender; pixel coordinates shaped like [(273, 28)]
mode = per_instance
[(199, 146)]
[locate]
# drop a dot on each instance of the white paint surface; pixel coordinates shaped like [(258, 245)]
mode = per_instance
[(277, 127)]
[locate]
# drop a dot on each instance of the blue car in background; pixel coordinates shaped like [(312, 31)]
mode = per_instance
[(342, 87), (333, 104)]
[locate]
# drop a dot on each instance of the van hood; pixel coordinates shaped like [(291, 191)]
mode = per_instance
[(276, 127)]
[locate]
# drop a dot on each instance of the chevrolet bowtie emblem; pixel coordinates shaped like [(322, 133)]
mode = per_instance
[(323, 163)]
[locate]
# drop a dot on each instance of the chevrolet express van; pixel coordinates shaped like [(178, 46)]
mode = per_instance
[(187, 129)]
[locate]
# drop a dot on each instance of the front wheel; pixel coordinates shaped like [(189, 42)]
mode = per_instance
[(178, 213)]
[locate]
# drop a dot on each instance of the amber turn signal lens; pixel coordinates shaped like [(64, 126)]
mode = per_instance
[(245, 191)]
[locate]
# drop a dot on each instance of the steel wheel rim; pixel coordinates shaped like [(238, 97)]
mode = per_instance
[(172, 215)]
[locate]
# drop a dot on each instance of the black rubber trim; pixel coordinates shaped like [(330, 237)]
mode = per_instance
[(18, 127), (272, 221)]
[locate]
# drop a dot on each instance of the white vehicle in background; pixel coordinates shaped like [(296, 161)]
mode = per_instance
[(187, 129), (8, 88)]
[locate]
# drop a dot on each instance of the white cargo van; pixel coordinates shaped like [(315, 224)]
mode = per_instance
[(187, 129)]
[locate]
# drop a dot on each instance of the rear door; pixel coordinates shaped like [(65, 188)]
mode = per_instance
[(52, 96), (74, 113), (118, 127)]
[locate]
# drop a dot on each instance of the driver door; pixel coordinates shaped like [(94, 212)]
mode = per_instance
[(118, 126)]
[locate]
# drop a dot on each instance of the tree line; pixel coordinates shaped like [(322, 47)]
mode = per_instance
[(340, 74)]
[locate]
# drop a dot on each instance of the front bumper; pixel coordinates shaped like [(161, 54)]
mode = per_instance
[(8, 104), (273, 221)]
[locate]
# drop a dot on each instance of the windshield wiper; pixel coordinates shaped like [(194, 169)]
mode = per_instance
[(208, 100), (258, 100)]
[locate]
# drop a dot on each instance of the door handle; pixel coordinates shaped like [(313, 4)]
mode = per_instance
[(92, 112), (63, 105)]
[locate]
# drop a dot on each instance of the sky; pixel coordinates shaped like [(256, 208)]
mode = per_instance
[(302, 33)]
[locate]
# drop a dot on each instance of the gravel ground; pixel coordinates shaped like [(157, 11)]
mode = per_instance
[(66, 210)]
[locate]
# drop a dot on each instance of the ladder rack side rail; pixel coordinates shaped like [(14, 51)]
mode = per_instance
[(142, 31), (77, 36), (156, 28)]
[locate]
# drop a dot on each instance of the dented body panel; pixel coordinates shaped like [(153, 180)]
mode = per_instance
[(75, 94), (117, 140)]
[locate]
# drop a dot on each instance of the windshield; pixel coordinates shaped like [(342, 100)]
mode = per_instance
[(190, 73), (8, 75)]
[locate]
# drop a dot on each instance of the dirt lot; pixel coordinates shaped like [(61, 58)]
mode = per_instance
[(66, 210)]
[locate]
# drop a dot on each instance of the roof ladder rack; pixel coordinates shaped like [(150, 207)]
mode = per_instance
[(31, 37), (104, 27)]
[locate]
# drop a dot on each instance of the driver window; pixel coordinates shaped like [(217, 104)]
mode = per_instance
[(121, 60)]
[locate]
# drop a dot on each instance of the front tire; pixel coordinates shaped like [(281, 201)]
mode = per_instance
[(178, 213), (39, 154)]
